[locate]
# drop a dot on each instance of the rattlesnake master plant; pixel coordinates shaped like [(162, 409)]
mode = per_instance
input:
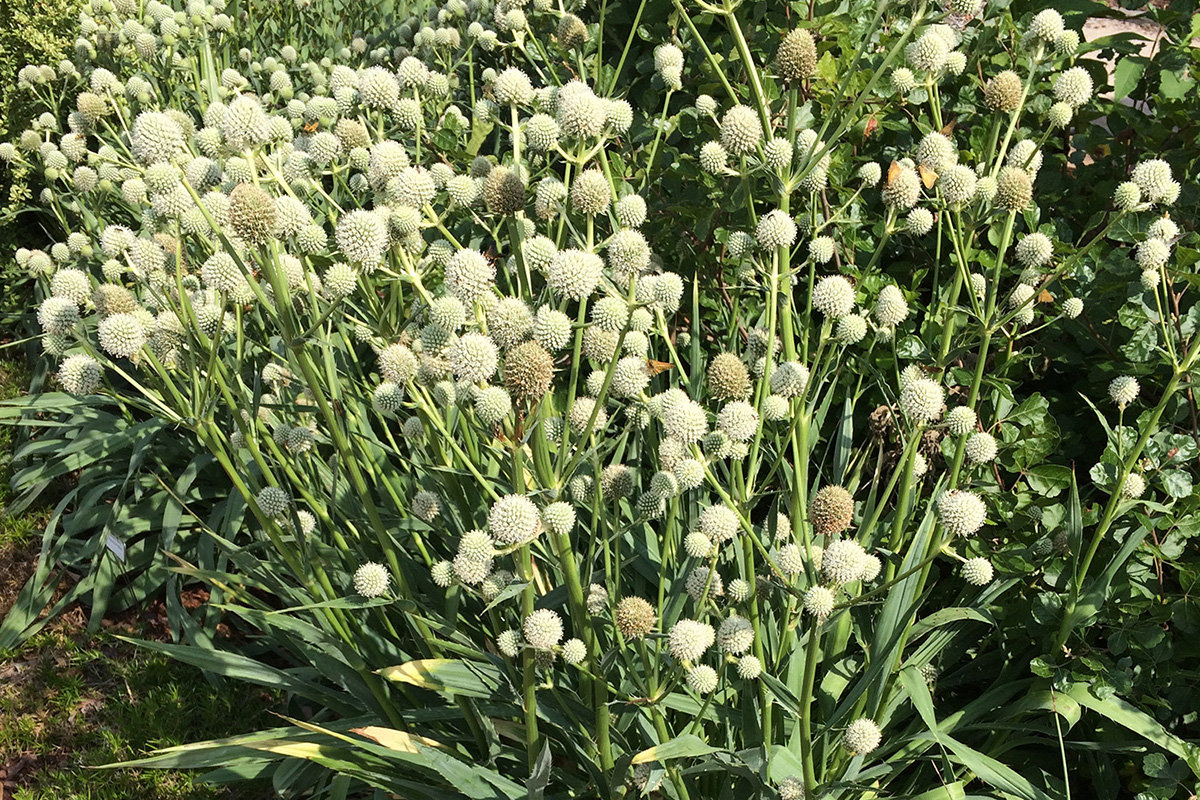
[(521, 493)]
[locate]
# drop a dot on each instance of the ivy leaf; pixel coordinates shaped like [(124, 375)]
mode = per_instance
[(1177, 482), (1175, 85), (1127, 75)]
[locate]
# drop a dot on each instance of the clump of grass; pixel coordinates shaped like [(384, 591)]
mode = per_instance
[(68, 704)]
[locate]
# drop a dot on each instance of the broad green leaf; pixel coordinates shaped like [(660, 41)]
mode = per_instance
[(686, 746), (467, 678), (1126, 76), (1128, 716)]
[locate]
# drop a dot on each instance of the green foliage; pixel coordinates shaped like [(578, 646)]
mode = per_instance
[(494, 556)]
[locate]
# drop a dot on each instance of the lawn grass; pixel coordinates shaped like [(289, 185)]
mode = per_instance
[(69, 701)]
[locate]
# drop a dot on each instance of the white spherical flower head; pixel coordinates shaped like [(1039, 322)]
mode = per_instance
[(362, 236), (1152, 254), (474, 358), (1035, 250), (574, 651), (1073, 86), (1133, 487), (121, 335), (702, 679), (79, 374), (57, 315), (978, 571), (1072, 307), (559, 518), (981, 448), (862, 736), (1123, 390), (512, 87), (738, 420), (469, 275), (697, 545), (789, 379), (843, 561), (689, 639), (833, 296), (543, 629), (514, 519), (735, 636), (822, 249), (819, 601), (371, 580), (961, 420), (1163, 228), (851, 329), (775, 229), (749, 667), (922, 400), (962, 513), (574, 274), (741, 130), (509, 643), (890, 307), (719, 523)]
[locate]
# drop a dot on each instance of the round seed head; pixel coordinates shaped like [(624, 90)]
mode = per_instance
[(1014, 189), (796, 58), (831, 510), (635, 617), (504, 191), (274, 501), (528, 370), (571, 32), (728, 378), (251, 213), (1003, 91)]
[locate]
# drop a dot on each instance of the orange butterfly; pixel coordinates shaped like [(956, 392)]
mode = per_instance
[(949, 127), (928, 176), (1045, 297), (311, 127), (657, 367), (894, 171)]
